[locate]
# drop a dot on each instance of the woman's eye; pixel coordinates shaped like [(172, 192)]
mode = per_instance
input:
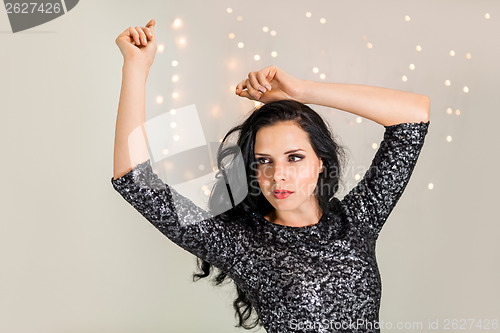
[(296, 158), (293, 158)]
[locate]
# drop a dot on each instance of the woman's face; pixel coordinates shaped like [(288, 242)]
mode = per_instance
[(286, 161)]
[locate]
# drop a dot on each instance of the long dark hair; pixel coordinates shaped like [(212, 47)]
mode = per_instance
[(323, 144)]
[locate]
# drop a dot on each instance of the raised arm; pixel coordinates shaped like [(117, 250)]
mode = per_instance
[(404, 115), (373, 198), (138, 46), (177, 217), (382, 105)]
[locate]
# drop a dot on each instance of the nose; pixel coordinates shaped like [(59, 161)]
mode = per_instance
[(279, 173)]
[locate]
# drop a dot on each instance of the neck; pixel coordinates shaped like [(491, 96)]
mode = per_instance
[(296, 218)]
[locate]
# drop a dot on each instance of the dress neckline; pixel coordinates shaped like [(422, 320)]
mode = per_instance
[(288, 227)]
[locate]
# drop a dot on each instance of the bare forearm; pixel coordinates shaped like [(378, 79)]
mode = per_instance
[(130, 135), (382, 105)]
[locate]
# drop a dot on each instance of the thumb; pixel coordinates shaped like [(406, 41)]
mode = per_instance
[(151, 24)]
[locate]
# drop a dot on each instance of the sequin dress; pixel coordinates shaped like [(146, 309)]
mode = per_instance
[(318, 278)]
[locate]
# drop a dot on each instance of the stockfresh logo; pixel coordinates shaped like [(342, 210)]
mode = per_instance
[(28, 14)]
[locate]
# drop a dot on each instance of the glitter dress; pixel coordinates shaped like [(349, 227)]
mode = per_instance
[(317, 278)]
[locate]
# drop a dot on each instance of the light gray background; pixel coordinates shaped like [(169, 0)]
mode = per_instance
[(75, 257)]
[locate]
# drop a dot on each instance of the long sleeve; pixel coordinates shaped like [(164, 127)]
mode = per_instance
[(372, 200), (179, 219)]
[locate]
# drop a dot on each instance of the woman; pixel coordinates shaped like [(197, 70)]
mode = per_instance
[(303, 259)]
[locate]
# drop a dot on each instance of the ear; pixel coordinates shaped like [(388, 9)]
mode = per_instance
[(321, 165)]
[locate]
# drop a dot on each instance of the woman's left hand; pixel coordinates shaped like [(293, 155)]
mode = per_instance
[(270, 84)]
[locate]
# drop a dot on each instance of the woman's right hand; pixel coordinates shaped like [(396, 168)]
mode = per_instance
[(138, 44)]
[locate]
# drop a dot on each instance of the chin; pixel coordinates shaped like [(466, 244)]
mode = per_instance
[(282, 204)]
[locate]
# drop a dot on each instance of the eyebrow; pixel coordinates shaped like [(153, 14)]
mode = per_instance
[(287, 152)]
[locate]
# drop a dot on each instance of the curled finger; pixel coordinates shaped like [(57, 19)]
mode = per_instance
[(134, 34), (242, 90), (252, 91), (240, 87), (142, 35), (148, 32), (252, 76), (262, 79)]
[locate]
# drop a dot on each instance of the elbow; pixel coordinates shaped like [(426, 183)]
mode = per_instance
[(418, 111), (424, 107)]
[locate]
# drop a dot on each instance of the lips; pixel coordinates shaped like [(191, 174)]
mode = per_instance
[(282, 194)]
